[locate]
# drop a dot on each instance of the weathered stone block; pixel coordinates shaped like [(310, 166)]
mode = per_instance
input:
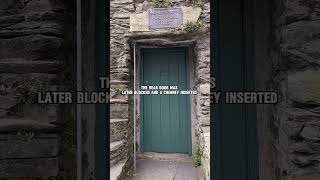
[(119, 111), (14, 125), (296, 34), (292, 129), (205, 121), (304, 87), (20, 168), (306, 177), (18, 6), (6, 21), (37, 6), (7, 102), (118, 136), (302, 161), (33, 148), (311, 131), (118, 151), (204, 89), (302, 148), (25, 28), (47, 114), (295, 10), (115, 91), (10, 7), (190, 14), (3, 112), (24, 66), (21, 136), (118, 129), (33, 47), (204, 74), (296, 115), (139, 22), (312, 48)]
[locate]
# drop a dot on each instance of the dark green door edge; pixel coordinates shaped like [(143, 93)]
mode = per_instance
[(234, 145), (102, 70)]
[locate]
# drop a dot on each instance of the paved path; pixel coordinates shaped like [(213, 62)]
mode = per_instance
[(150, 169)]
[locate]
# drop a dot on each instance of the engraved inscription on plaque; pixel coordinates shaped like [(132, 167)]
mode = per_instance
[(165, 18)]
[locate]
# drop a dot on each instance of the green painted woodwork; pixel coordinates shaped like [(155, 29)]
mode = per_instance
[(234, 129), (166, 120)]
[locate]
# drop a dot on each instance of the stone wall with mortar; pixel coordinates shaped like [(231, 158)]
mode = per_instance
[(295, 123), (35, 140), (121, 126), (121, 49)]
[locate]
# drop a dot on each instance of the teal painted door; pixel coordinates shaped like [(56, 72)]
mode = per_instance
[(165, 118)]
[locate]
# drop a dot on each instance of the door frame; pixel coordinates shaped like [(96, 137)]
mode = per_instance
[(187, 63), (137, 42)]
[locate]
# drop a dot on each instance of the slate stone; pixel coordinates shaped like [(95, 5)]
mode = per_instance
[(33, 47), (33, 148), (37, 167), (7, 102), (304, 87), (311, 132)]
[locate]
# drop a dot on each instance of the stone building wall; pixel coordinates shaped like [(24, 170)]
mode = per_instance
[(35, 141), (123, 34), (295, 123), (120, 140)]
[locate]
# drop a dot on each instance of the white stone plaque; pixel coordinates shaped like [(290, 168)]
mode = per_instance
[(165, 18)]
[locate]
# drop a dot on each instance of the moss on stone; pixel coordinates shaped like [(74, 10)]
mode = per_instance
[(197, 3), (27, 91), (193, 26), (161, 3), (197, 156), (118, 127)]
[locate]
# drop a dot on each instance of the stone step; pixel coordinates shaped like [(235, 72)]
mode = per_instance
[(118, 101), (116, 170), (122, 2), (114, 146), (117, 159), (21, 66), (118, 129), (117, 151), (118, 120), (115, 82), (177, 157)]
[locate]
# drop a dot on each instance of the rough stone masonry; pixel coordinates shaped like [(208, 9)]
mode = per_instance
[(295, 123), (33, 40)]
